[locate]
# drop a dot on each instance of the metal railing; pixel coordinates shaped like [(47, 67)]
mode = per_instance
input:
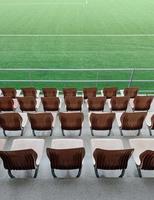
[(116, 76)]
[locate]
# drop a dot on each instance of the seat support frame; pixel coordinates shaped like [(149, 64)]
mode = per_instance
[(22, 132), (98, 176), (150, 130), (80, 132), (92, 132), (55, 176), (34, 176), (121, 132), (139, 171), (34, 133)]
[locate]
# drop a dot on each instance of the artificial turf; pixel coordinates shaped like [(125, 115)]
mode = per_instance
[(76, 34)]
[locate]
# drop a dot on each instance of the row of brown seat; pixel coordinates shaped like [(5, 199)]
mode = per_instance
[(68, 154), (64, 154), (87, 92), (74, 121), (12, 92), (140, 103), (75, 103)]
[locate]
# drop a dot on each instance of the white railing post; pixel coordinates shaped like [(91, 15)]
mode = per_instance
[(131, 77)]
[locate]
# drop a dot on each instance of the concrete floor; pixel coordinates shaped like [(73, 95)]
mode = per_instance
[(87, 187)]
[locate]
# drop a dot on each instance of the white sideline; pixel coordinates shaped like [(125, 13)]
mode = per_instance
[(77, 35), (44, 3)]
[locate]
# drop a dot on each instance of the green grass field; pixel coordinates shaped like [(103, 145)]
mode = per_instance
[(76, 34)]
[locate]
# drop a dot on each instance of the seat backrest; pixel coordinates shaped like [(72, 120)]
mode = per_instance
[(142, 102), (49, 92), (132, 121), (131, 92), (102, 121), (27, 103), (9, 92), (89, 92), (50, 103), (71, 121), (19, 160), (110, 92), (119, 103), (29, 92), (6, 104), (147, 160), (96, 103), (112, 159), (69, 92), (40, 121), (66, 158), (73, 103), (11, 121)]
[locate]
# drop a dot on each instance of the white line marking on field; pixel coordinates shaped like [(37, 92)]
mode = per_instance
[(42, 3), (76, 35)]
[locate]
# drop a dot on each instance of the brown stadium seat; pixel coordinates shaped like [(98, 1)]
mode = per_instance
[(109, 154), (89, 92), (132, 121), (111, 160), (66, 154), (101, 121), (41, 122), (65, 159), (73, 103), (147, 160), (131, 92), (27, 103), (71, 121), (69, 92), (29, 92), (49, 92), (25, 154), (143, 153), (110, 92), (142, 103), (19, 160), (96, 103), (9, 92), (11, 122), (50, 103), (119, 103), (6, 104)]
